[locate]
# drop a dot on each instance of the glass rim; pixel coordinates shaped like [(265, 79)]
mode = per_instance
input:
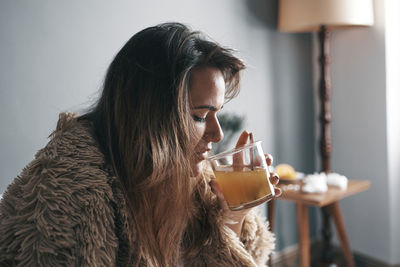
[(233, 150)]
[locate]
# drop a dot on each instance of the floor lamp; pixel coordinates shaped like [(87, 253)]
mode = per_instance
[(323, 16)]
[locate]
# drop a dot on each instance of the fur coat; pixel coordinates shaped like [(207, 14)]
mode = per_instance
[(67, 209)]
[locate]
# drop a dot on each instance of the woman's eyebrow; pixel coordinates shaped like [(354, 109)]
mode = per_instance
[(212, 108)]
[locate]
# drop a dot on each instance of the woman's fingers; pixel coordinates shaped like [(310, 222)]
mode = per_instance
[(274, 178), (269, 159), (278, 191), (242, 139), (238, 161)]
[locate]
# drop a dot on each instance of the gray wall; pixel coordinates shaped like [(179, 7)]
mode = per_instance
[(54, 55), (392, 37)]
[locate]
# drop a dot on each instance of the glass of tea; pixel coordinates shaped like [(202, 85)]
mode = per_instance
[(243, 176)]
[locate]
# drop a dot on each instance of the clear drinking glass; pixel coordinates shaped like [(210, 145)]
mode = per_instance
[(243, 176)]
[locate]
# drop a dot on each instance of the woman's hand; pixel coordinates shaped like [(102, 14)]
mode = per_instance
[(273, 177), (236, 218)]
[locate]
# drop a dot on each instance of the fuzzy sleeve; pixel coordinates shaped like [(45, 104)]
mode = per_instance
[(58, 212), (257, 238), (55, 221)]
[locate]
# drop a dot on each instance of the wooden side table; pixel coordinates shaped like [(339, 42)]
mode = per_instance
[(330, 200)]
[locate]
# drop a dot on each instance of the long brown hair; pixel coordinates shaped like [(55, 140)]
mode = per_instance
[(143, 124)]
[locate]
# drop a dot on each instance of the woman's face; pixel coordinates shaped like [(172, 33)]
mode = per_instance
[(207, 94)]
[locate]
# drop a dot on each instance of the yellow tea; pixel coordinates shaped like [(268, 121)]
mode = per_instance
[(242, 187)]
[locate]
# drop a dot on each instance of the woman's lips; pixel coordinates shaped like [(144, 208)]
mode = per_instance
[(202, 155)]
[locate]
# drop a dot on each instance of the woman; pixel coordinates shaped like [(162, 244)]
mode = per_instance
[(124, 184)]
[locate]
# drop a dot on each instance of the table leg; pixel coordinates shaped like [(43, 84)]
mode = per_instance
[(304, 235), (327, 255), (334, 209), (271, 218), (271, 214)]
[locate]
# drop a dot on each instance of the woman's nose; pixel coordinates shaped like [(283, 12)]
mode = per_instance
[(214, 132)]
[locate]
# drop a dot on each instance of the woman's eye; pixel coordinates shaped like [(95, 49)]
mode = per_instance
[(199, 119)]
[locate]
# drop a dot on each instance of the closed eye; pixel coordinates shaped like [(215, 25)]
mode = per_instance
[(199, 119)]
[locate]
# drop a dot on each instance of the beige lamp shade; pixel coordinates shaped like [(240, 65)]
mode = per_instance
[(309, 15)]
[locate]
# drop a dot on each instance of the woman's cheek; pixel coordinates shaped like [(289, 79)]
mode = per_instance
[(199, 133)]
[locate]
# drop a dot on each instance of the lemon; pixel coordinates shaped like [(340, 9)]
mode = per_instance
[(285, 172)]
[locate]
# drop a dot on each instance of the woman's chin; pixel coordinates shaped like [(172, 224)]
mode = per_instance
[(197, 168)]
